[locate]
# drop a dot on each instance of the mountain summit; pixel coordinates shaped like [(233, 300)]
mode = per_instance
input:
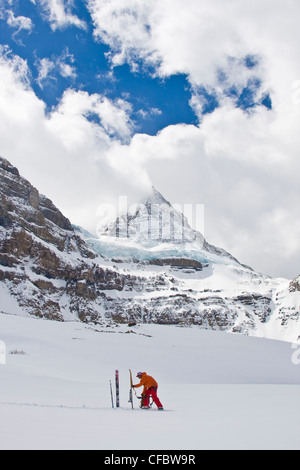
[(154, 229), (152, 220)]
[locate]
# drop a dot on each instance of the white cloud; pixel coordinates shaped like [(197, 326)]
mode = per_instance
[(144, 114), (192, 37), (14, 70), (73, 119), (125, 27), (204, 38), (168, 34), (45, 66), (62, 65), (59, 13), (64, 152), (19, 22), (67, 70)]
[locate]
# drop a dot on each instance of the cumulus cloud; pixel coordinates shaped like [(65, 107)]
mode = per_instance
[(81, 116), (222, 49), (59, 14), (126, 28), (191, 37)]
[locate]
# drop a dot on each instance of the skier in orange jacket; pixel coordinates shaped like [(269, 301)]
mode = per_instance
[(150, 390)]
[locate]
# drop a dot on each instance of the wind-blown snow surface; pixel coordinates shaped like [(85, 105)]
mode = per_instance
[(220, 391)]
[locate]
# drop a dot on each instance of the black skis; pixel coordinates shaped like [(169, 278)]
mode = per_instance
[(117, 390), (131, 389)]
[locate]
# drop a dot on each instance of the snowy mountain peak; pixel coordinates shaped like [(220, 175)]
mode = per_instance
[(155, 229), (152, 221), (156, 197)]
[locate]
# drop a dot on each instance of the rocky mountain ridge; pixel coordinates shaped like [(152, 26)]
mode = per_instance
[(55, 271)]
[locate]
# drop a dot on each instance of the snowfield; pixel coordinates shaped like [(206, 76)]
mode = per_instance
[(219, 390)]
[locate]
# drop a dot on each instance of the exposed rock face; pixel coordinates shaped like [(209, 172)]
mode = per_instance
[(41, 256), (16, 190), (53, 272), (295, 285), (178, 263), (24, 209), (45, 263)]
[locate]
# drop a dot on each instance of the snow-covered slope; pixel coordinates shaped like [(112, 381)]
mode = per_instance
[(219, 391)]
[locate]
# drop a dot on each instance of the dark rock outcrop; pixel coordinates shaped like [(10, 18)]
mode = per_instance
[(180, 263), (295, 285)]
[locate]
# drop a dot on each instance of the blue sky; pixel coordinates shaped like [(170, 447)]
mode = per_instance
[(80, 61), (156, 102), (200, 98)]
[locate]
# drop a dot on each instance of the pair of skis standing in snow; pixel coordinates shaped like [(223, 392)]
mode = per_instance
[(149, 391)]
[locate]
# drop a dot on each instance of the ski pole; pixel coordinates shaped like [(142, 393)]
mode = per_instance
[(111, 394)]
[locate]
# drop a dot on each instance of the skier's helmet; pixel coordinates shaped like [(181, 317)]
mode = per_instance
[(139, 374)]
